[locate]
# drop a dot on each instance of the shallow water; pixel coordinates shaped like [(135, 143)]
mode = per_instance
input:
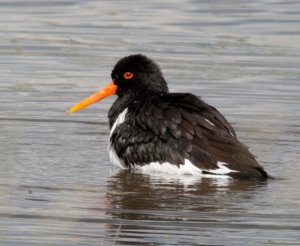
[(57, 186)]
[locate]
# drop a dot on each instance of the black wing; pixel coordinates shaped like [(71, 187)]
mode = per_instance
[(178, 126)]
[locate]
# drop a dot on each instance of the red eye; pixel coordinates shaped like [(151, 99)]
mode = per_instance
[(128, 75)]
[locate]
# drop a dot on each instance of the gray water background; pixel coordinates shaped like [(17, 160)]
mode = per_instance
[(57, 185)]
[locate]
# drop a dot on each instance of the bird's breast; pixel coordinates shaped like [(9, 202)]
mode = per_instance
[(111, 149)]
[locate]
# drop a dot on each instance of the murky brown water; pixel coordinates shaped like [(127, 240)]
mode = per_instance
[(57, 186)]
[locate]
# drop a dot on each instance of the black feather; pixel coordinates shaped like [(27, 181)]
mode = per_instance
[(172, 127)]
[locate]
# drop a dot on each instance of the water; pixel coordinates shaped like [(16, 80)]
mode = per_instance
[(57, 186)]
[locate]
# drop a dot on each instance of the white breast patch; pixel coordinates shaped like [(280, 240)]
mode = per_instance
[(112, 153)]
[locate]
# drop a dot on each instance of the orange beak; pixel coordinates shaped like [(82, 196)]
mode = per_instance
[(108, 90)]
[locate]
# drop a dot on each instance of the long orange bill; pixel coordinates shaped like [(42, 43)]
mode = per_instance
[(108, 90)]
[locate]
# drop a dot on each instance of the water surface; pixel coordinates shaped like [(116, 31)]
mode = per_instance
[(57, 186)]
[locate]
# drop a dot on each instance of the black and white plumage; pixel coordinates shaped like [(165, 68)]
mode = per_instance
[(154, 130), (177, 133)]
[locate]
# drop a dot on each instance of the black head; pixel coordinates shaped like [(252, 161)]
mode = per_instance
[(135, 76), (138, 74)]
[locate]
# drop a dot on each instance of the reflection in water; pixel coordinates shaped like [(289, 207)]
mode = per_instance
[(141, 203), (142, 192)]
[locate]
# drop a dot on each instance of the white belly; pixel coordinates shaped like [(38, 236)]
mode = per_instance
[(187, 168)]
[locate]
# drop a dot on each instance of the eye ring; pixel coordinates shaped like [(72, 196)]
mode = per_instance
[(128, 75)]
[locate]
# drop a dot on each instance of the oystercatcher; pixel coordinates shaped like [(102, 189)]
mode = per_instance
[(177, 133)]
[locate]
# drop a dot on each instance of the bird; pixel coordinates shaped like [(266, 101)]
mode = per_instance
[(156, 131)]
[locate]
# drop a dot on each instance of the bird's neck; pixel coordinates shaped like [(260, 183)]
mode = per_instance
[(117, 108), (133, 101)]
